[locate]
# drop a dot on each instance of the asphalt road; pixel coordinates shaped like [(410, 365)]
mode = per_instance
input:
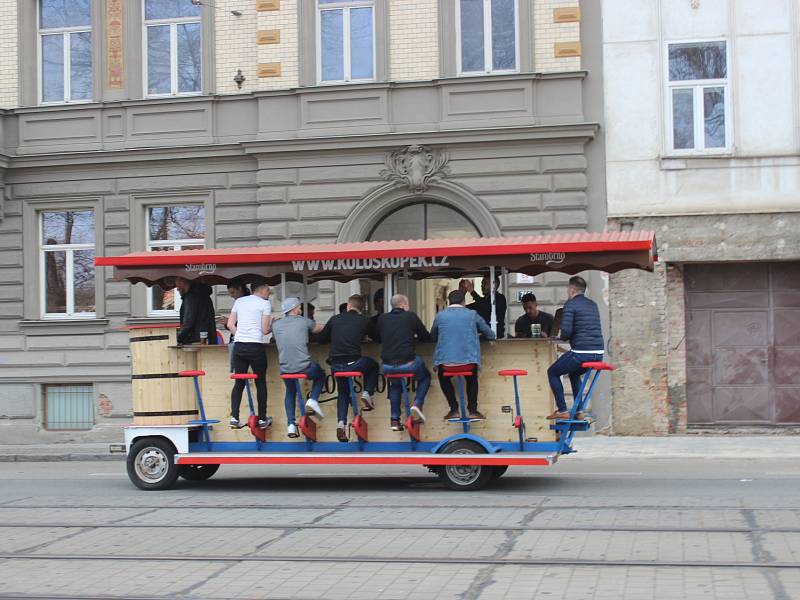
[(585, 528)]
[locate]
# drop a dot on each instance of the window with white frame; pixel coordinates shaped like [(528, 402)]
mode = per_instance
[(346, 36), (698, 97), (176, 227), (173, 49), (67, 249), (488, 37), (65, 51)]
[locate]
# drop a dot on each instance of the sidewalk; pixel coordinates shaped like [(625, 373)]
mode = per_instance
[(599, 447)]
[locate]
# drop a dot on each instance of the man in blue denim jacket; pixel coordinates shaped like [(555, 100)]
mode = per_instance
[(455, 330), (580, 325)]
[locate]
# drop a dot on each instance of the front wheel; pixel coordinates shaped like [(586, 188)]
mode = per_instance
[(465, 478), (197, 472), (151, 464)]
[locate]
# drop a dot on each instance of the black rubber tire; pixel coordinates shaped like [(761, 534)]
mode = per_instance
[(197, 472), (462, 478), (498, 472), (161, 472)]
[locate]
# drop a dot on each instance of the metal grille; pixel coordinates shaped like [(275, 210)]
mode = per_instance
[(69, 406)]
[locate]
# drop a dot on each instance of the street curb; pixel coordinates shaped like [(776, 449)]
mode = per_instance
[(5, 458)]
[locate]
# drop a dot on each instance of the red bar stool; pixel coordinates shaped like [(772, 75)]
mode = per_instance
[(252, 421), (460, 372), (202, 421), (518, 422), (306, 424), (359, 423), (412, 426)]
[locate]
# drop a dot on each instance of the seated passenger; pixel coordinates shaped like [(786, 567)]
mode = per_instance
[(197, 312), (532, 316), (250, 322), (345, 332), (580, 325), (397, 331), (455, 330), (236, 289), (291, 337)]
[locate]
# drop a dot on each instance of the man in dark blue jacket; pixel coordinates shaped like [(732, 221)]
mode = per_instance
[(580, 326)]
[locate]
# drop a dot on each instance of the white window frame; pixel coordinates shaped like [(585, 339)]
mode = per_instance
[(173, 53), (345, 7), (487, 41), (183, 244), (69, 249), (65, 32), (697, 86)]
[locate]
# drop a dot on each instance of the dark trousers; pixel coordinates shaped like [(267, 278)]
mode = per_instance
[(448, 389), (251, 356), (317, 377), (568, 363), (370, 370)]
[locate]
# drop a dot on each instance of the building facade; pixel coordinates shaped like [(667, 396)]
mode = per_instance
[(701, 105), (161, 124)]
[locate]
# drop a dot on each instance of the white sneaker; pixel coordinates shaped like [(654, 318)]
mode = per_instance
[(292, 432), (416, 412), (367, 402), (264, 423), (313, 407), (235, 423)]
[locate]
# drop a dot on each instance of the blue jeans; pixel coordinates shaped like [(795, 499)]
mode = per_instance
[(370, 370), (568, 364), (317, 376), (422, 375)]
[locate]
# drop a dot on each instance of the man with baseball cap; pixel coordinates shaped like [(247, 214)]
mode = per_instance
[(291, 337)]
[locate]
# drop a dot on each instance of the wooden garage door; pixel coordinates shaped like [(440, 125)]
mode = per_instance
[(743, 343)]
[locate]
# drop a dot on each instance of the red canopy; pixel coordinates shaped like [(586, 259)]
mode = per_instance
[(568, 253)]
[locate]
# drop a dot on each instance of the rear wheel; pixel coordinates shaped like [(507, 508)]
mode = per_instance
[(465, 477), (498, 472), (151, 464), (197, 472)]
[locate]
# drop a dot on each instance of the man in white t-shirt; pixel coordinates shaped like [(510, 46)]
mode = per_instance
[(250, 322)]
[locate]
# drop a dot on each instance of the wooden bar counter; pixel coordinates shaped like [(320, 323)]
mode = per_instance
[(533, 355)]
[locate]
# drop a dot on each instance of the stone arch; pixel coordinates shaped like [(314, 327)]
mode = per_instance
[(389, 197)]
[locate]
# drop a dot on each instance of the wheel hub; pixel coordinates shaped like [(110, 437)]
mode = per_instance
[(463, 474), (151, 464)]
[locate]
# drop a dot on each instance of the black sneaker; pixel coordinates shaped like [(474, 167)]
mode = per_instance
[(341, 433), (395, 425)]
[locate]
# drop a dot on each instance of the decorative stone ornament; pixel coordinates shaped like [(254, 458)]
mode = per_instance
[(416, 166)]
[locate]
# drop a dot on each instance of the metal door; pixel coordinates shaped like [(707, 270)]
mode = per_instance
[(743, 343)]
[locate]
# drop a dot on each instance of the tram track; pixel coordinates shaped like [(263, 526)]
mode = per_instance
[(410, 560), (348, 506), (392, 527)]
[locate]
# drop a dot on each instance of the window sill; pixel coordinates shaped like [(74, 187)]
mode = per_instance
[(152, 321), (47, 326)]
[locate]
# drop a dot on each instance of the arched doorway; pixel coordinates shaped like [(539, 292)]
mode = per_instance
[(421, 220)]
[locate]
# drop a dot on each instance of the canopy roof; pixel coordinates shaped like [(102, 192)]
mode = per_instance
[(532, 255)]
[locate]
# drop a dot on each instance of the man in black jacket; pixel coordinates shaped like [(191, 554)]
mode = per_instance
[(197, 312), (398, 331), (580, 325), (483, 304), (345, 332)]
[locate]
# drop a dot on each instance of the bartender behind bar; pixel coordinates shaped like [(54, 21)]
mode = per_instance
[(526, 325)]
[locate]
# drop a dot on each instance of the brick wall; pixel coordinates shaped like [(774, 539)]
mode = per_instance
[(8, 55), (414, 40), (547, 34)]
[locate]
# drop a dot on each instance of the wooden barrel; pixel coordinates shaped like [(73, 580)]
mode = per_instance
[(160, 397)]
